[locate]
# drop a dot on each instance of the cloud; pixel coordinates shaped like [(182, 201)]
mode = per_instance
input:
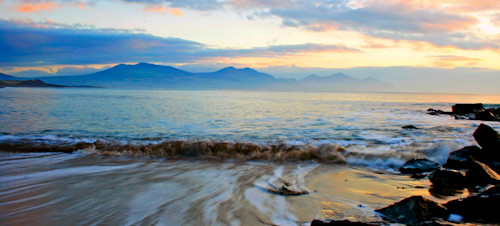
[(441, 23), (32, 44), (28, 43), (37, 7), (452, 61), (162, 9), (455, 58), (192, 4)]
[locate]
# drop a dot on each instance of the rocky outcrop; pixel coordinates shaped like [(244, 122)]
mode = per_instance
[(447, 179), (460, 159), (472, 161), (413, 210), (469, 112), (466, 108), (481, 174), (487, 138), (479, 208), (418, 166)]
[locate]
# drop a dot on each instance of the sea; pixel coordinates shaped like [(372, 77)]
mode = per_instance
[(96, 156)]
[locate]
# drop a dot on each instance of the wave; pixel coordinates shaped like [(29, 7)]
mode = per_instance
[(177, 149), (381, 156)]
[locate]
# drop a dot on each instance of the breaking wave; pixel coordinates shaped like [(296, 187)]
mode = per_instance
[(178, 149), (382, 156)]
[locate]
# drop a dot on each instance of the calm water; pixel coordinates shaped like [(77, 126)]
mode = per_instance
[(86, 187)]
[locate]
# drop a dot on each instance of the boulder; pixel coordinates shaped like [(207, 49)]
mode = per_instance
[(481, 174), (487, 138), (447, 179), (459, 159), (479, 208), (417, 166), (413, 210), (466, 108), (485, 116), (340, 223)]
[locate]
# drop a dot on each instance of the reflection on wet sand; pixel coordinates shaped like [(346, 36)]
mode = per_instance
[(88, 189)]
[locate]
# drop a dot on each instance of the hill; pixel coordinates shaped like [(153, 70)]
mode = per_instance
[(26, 83)]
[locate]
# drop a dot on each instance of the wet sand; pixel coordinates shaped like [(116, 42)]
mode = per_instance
[(55, 189)]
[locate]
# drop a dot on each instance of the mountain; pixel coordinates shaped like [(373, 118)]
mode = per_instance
[(341, 82), (144, 75), (151, 76)]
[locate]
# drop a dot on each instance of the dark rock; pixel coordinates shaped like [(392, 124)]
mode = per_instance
[(459, 159), (337, 222), (479, 208), (485, 116), (481, 174), (417, 166), (447, 179), (444, 192), (413, 210), (431, 111), (487, 138), (466, 108), (409, 127)]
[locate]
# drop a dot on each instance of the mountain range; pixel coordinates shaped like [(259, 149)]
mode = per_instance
[(144, 75)]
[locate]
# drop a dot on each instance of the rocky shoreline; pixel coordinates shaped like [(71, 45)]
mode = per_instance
[(469, 112), (473, 168)]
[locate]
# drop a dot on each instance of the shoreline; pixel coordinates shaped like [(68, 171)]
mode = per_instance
[(61, 179)]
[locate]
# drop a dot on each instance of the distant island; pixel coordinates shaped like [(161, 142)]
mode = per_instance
[(145, 75), (26, 83)]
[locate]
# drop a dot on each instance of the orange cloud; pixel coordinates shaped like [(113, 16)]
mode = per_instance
[(176, 12), (162, 9), (36, 7), (450, 26)]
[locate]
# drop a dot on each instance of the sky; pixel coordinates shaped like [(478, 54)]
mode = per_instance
[(409, 43)]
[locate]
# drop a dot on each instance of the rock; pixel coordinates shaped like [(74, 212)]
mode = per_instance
[(466, 108), (337, 222), (285, 191), (409, 127), (413, 210), (447, 179), (481, 174), (485, 116), (459, 159), (431, 111), (479, 208), (417, 166), (487, 138)]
